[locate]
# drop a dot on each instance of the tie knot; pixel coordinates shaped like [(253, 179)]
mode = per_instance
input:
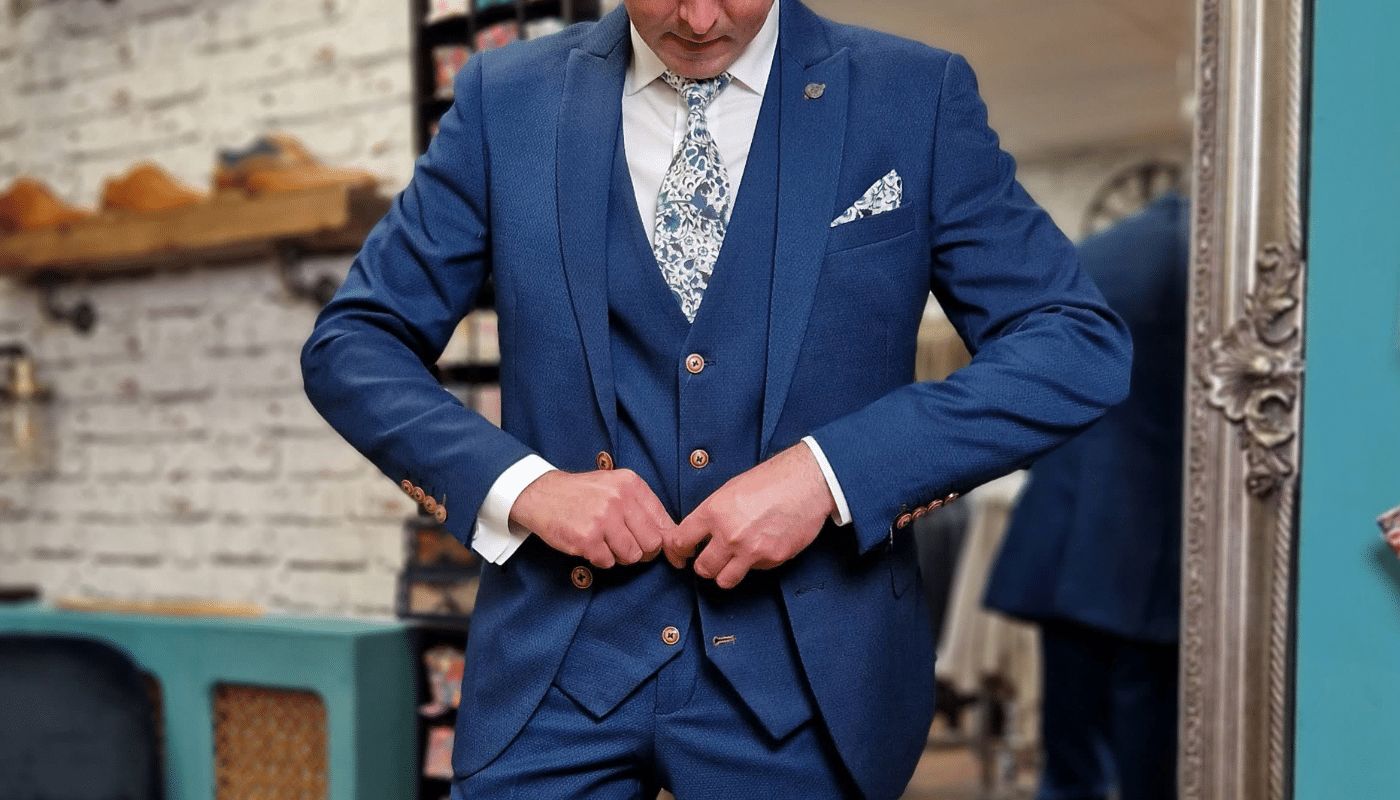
[(697, 93)]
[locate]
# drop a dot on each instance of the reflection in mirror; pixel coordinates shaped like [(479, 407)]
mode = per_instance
[(1068, 683)]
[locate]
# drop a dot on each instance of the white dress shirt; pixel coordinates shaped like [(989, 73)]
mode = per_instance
[(653, 125)]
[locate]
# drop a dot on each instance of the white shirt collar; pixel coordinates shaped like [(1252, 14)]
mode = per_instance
[(749, 70)]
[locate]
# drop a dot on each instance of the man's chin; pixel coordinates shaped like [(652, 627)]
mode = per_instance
[(697, 66)]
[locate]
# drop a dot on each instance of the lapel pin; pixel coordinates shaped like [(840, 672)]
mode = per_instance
[(814, 90)]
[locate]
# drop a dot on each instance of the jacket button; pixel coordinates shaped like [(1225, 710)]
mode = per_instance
[(406, 485), (430, 505), (670, 634), (605, 460), (418, 494), (699, 458), (903, 521), (441, 514), (582, 577), (694, 364)]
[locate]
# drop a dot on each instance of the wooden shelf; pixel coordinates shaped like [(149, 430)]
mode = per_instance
[(228, 226)]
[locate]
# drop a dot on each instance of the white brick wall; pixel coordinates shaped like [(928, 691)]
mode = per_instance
[(92, 87), (185, 460)]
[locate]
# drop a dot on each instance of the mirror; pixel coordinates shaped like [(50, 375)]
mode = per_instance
[(1106, 104)]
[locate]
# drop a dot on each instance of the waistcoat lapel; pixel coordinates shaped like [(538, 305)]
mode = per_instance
[(590, 118), (811, 137)]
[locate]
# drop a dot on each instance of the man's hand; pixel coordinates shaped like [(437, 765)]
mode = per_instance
[(607, 517), (757, 520)]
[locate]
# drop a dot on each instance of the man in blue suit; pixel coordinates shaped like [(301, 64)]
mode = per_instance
[(1093, 550), (712, 226)]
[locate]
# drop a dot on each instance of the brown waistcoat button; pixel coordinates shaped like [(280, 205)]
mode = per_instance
[(670, 634), (430, 505), (936, 504), (582, 577), (441, 514), (699, 458), (406, 485), (694, 364), (605, 460), (919, 512), (903, 521), (418, 495)]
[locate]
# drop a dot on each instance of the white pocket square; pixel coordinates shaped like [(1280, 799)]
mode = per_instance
[(884, 195)]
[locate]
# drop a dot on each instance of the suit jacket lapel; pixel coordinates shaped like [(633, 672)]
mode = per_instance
[(590, 117), (812, 133)]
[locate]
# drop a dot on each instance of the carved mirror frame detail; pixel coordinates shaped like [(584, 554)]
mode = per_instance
[(1245, 371)]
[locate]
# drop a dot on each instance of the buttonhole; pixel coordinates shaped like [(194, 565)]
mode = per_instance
[(719, 640)]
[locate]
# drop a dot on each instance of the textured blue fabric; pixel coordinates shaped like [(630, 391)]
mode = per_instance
[(649, 344), (516, 183), (1096, 535), (683, 730)]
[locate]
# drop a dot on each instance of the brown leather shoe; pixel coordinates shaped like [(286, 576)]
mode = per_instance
[(147, 187), (30, 204), (279, 163)]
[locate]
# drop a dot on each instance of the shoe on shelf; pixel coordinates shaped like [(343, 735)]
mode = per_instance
[(279, 163), (147, 187), (30, 204)]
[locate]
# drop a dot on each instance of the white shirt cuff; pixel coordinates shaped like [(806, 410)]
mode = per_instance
[(842, 514), (495, 537)]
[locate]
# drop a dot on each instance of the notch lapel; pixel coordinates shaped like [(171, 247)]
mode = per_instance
[(590, 117), (812, 133)]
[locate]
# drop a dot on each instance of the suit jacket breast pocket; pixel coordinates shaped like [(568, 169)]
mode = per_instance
[(871, 230)]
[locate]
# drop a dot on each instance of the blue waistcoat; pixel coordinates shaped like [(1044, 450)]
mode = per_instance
[(615, 648)]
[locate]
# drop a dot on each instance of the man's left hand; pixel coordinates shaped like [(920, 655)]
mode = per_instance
[(757, 520)]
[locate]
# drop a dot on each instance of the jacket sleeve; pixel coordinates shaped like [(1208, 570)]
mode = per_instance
[(366, 364), (1049, 357)]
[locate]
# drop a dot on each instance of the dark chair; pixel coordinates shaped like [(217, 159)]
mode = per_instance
[(76, 722)]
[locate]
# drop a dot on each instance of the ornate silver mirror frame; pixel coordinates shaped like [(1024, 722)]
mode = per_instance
[(1245, 372)]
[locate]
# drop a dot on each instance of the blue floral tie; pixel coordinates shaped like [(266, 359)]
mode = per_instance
[(692, 208)]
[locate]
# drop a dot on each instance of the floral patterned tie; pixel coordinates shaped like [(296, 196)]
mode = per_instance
[(692, 208)]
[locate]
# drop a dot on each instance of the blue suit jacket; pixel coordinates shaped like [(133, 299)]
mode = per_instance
[(515, 186), (1096, 535)]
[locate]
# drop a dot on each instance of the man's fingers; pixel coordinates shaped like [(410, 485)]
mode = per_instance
[(654, 525), (645, 532), (623, 545), (681, 544), (713, 559), (732, 573), (600, 556)]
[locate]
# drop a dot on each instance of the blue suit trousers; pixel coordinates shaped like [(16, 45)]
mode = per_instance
[(1109, 715), (684, 730)]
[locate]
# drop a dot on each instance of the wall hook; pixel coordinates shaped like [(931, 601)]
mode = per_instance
[(81, 315)]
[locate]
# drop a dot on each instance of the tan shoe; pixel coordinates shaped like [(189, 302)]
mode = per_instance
[(147, 187), (30, 204), (279, 163)]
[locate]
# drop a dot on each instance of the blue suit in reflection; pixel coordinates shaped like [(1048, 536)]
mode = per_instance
[(1093, 550)]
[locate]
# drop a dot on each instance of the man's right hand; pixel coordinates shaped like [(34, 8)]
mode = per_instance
[(607, 517)]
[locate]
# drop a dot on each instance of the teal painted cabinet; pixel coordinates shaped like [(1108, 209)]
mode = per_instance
[(361, 671), (1348, 644)]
